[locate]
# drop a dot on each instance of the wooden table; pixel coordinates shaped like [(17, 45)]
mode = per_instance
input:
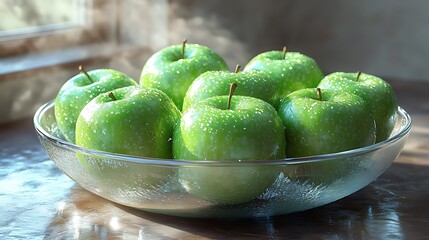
[(38, 201)]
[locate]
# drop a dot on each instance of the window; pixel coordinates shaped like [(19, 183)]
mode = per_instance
[(43, 41), (26, 18), (32, 26)]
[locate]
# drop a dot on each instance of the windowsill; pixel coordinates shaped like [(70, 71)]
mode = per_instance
[(28, 81), (18, 64), (119, 37)]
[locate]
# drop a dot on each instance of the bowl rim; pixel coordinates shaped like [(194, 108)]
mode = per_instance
[(158, 161)]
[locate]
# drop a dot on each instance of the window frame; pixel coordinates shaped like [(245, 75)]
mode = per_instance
[(93, 28), (31, 77)]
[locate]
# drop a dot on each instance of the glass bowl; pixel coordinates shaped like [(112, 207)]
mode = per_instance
[(156, 185)]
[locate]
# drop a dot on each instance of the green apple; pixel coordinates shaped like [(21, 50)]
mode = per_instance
[(174, 68), (79, 90), (134, 120), (325, 121), (245, 129), (378, 95), (292, 70), (216, 83), (320, 122)]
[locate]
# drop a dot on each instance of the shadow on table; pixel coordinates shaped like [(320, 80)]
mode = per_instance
[(393, 207)]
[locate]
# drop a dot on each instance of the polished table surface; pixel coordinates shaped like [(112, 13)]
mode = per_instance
[(37, 201)]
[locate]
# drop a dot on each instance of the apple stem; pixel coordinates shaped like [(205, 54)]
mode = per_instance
[(231, 91), (112, 96), (358, 75), (183, 48), (237, 68), (319, 94), (82, 70), (284, 52)]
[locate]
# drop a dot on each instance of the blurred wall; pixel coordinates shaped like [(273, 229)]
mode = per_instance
[(389, 38)]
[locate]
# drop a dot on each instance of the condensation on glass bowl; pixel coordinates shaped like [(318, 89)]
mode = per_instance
[(154, 185)]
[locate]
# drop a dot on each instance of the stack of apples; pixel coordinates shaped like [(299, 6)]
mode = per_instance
[(188, 106)]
